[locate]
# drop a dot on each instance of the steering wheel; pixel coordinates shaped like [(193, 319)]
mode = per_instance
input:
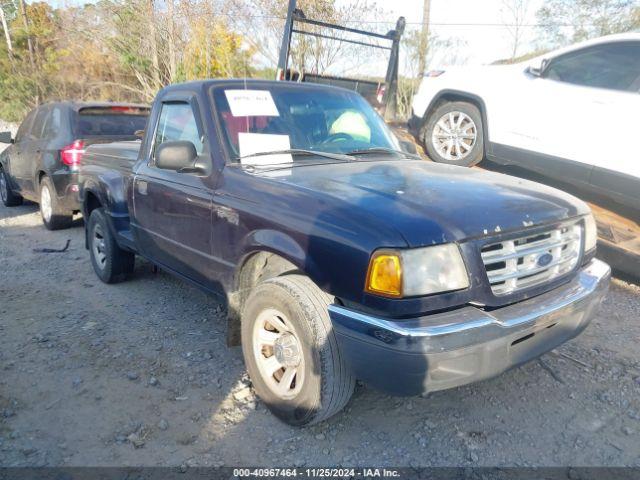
[(336, 137)]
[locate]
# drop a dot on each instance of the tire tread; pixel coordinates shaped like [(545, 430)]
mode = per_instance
[(337, 382), (13, 199)]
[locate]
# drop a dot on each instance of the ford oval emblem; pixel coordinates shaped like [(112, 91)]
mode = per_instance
[(544, 259)]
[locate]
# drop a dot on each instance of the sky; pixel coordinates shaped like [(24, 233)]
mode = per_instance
[(484, 43), (458, 20)]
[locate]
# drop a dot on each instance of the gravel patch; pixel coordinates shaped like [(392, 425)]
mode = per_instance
[(139, 374)]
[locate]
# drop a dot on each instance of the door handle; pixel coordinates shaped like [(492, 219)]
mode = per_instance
[(142, 187)]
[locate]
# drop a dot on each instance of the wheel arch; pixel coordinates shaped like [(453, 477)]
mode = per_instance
[(268, 254), (40, 174), (90, 201), (5, 167), (452, 95)]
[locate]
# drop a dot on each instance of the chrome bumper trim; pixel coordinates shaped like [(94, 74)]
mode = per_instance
[(470, 326)]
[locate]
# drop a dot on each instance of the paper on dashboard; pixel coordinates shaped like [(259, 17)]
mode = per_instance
[(251, 143)]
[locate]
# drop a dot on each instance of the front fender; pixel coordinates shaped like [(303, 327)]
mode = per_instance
[(283, 245)]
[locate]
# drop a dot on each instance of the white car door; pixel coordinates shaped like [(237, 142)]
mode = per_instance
[(541, 119), (600, 101)]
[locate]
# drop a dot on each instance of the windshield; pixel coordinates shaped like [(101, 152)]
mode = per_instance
[(281, 118)]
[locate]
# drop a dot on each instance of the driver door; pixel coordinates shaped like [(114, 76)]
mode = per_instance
[(172, 210)]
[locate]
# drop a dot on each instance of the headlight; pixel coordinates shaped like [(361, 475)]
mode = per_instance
[(590, 233), (420, 271)]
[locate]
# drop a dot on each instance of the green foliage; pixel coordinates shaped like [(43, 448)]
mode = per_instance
[(586, 19), (112, 50)]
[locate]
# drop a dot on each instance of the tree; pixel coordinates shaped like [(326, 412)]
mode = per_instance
[(7, 33), (318, 55), (514, 14), (569, 21), (443, 50)]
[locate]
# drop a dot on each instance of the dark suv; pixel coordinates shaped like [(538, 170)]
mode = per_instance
[(42, 161)]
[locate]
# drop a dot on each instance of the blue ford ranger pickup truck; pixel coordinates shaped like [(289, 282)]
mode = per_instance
[(339, 255)]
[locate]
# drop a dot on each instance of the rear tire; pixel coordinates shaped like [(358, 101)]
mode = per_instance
[(454, 134), (290, 312), (9, 199), (53, 215), (111, 263)]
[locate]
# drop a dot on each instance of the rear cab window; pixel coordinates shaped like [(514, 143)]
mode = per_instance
[(121, 121)]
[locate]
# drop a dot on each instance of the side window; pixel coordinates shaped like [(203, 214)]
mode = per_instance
[(25, 126), (612, 66), (52, 124), (178, 122), (38, 122)]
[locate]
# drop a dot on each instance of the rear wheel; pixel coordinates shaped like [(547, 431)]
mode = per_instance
[(9, 199), (53, 215), (291, 351), (111, 263), (453, 134)]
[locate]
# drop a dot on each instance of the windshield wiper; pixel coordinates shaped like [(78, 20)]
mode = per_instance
[(368, 151), (299, 151)]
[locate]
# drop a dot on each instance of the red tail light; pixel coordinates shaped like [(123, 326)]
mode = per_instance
[(72, 154)]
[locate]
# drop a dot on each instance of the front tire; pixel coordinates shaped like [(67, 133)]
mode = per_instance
[(454, 134), (111, 263), (53, 215), (291, 351), (9, 199)]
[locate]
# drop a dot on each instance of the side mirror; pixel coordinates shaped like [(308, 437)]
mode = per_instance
[(538, 70), (5, 137), (179, 156), (408, 147), (139, 134)]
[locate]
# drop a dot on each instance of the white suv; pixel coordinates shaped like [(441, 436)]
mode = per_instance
[(573, 115)]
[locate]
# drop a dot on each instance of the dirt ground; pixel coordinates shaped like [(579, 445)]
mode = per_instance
[(138, 374)]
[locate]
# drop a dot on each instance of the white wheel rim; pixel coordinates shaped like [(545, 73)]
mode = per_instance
[(454, 136), (98, 246), (45, 202), (278, 353), (3, 186)]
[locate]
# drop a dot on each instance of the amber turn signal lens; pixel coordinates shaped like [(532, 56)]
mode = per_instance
[(385, 275)]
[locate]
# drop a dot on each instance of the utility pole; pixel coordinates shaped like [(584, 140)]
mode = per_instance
[(424, 37), (7, 35)]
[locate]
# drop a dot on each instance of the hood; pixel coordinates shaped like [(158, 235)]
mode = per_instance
[(430, 203)]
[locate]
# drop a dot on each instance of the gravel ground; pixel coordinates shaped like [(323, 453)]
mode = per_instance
[(138, 374)]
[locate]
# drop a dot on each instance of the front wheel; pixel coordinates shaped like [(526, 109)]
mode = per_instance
[(111, 263), (9, 199), (453, 134), (291, 351)]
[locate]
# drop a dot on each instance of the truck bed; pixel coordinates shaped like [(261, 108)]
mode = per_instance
[(115, 155), (108, 167)]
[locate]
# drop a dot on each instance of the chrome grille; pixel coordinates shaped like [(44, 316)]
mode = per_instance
[(533, 259)]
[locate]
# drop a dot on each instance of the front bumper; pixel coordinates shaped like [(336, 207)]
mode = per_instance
[(446, 350)]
